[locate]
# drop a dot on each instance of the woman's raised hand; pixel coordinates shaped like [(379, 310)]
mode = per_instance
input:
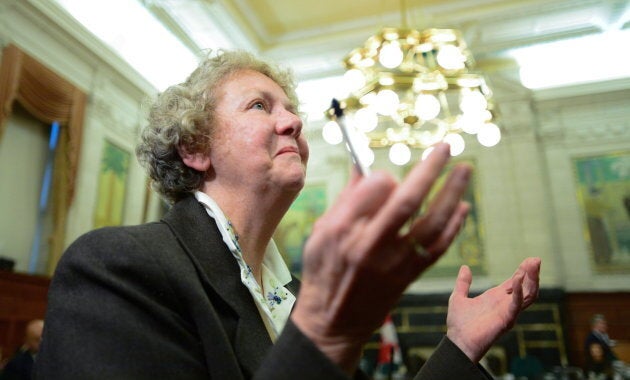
[(367, 248)]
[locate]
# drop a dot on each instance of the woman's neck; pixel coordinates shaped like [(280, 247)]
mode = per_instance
[(254, 217)]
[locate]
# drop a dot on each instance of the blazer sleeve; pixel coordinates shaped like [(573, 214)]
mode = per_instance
[(449, 362), (294, 356)]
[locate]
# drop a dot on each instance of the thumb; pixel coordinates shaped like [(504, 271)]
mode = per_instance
[(517, 293), (463, 281)]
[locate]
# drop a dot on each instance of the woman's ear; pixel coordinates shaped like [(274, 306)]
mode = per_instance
[(198, 161)]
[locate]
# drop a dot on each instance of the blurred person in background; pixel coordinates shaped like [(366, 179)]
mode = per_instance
[(20, 366), (599, 335)]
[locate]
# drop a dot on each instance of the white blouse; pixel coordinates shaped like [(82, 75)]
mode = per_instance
[(276, 305)]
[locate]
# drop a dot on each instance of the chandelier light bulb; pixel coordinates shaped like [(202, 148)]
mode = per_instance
[(390, 56), (399, 154), (365, 120), (360, 139), (387, 102), (396, 134), (355, 79), (427, 107), (368, 99), (332, 133), (426, 153), (433, 136), (472, 102), (489, 135), (456, 141), (366, 155), (486, 115), (450, 58), (469, 123)]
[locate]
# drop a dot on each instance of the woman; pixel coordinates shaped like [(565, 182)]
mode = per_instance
[(204, 293)]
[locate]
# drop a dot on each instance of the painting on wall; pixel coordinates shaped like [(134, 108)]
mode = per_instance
[(155, 207), (296, 226), (112, 181), (603, 191), (468, 246)]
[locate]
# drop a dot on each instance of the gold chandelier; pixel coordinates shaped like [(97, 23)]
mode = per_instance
[(411, 89)]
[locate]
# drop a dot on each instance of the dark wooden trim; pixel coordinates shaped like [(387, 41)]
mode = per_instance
[(23, 298)]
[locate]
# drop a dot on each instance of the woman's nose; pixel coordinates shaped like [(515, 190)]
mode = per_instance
[(289, 124)]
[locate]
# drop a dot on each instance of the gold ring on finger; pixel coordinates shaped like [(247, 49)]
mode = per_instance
[(419, 249)]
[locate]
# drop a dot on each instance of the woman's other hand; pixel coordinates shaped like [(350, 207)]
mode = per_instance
[(474, 324)]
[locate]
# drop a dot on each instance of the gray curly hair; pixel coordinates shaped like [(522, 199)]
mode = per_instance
[(183, 117)]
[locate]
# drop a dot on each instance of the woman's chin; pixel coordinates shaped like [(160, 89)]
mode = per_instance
[(296, 185), (295, 181)]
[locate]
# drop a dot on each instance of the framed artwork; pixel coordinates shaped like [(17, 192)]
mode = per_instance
[(296, 226), (155, 207), (468, 246), (112, 183), (603, 192)]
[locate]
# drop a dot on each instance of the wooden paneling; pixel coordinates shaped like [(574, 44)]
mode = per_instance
[(580, 307), (622, 349), (22, 299)]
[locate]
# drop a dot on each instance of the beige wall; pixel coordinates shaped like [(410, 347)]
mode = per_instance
[(22, 161), (115, 94)]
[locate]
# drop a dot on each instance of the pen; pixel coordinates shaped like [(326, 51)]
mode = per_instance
[(338, 111)]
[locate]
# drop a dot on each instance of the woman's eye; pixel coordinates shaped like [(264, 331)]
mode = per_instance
[(259, 106)]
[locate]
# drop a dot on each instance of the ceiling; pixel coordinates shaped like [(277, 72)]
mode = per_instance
[(312, 37)]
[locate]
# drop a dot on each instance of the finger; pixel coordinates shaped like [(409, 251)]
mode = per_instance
[(355, 178), (526, 266), (355, 175), (435, 250), (449, 233), (463, 282), (445, 205), (363, 197), (517, 293), (531, 267), (531, 283), (409, 195)]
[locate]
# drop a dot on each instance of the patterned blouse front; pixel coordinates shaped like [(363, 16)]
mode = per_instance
[(273, 300)]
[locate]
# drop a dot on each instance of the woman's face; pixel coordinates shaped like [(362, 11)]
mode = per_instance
[(257, 140)]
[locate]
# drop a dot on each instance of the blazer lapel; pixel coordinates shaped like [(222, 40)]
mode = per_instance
[(294, 286), (199, 236)]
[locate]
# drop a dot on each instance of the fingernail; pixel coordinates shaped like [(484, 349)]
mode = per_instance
[(443, 148), (467, 172)]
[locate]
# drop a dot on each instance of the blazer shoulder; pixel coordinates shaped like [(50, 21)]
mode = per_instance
[(116, 244)]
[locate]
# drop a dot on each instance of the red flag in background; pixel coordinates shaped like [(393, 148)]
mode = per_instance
[(390, 363)]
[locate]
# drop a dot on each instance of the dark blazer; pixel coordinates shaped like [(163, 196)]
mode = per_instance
[(19, 367), (165, 300)]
